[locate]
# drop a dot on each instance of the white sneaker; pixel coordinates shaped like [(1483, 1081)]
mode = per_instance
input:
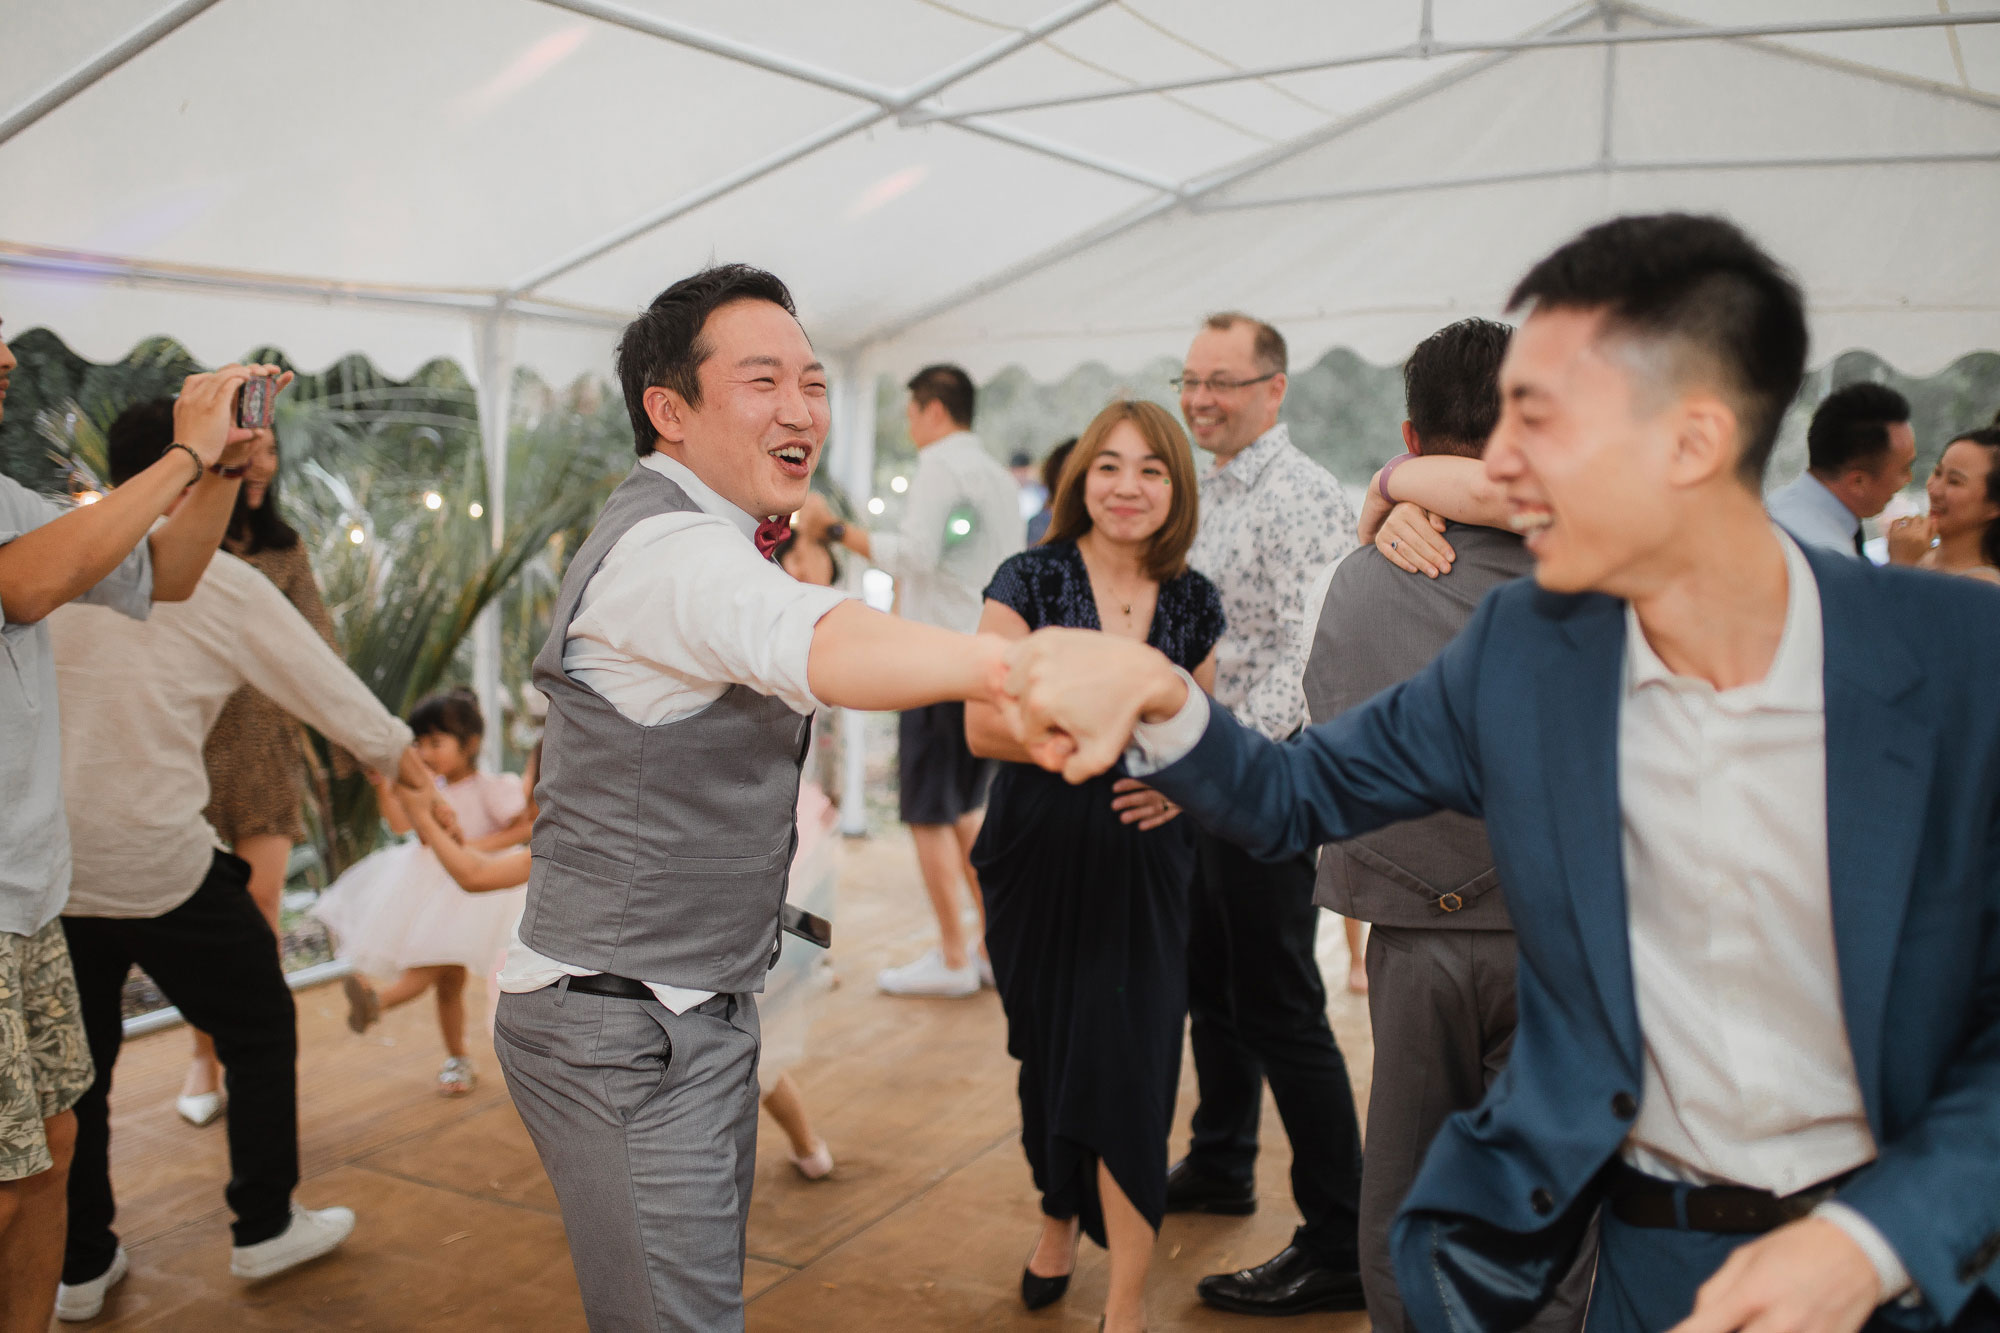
[(200, 1108), (928, 975), (313, 1232), (86, 1299), (815, 1165)]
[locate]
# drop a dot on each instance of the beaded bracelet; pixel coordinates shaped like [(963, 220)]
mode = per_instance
[(199, 466)]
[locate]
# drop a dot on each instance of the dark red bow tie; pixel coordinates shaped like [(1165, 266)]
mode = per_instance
[(770, 533)]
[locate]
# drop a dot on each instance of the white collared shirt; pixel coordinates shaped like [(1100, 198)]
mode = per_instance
[(1814, 514), (1749, 1078), (963, 518), (1271, 520), (682, 608)]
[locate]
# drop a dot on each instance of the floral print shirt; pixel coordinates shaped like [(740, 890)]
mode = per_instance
[(1271, 520)]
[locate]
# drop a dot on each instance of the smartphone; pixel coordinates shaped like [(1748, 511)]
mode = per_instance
[(256, 403), (812, 929)]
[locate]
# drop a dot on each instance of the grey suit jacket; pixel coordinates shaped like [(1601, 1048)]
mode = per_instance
[(1379, 626)]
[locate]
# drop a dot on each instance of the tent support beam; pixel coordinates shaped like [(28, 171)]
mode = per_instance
[(114, 268), (1419, 50), (494, 338), (90, 71), (1197, 189), (886, 105), (1599, 167), (853, 463)]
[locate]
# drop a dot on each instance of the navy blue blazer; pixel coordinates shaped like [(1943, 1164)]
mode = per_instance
[(1517, 722)]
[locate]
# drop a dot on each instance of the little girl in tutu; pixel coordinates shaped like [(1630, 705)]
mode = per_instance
[(397, 913)]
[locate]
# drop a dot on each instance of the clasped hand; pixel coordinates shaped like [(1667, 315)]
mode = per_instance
[(1073, 697)]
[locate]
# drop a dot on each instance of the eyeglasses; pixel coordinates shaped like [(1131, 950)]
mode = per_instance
[(1215, 383)]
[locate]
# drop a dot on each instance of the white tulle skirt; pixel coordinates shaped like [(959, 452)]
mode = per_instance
[(398, 908)]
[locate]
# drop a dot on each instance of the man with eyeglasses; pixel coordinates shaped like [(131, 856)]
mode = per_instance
[(1271, 518)]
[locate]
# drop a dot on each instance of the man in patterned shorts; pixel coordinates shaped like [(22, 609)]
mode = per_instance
[(50, 555)]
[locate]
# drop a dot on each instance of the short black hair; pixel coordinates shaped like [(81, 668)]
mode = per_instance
[(453, 713), (1700, 282), (664, 348), (140, 435), (948, 385), (1451, 386), (1851, 427)]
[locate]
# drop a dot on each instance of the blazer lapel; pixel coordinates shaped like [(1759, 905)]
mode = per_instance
[(1878, 774), (1579, 696)]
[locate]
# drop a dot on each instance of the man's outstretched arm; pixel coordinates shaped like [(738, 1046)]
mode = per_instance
[(861, 658), (1082, 698)]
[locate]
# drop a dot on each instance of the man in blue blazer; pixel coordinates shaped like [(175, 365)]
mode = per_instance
[(1746, 803)]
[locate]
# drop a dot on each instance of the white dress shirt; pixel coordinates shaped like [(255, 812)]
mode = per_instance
[(138, 701), (682, 608), (1271, 520), (962, 519), (1814, 514), (1749, 1078)]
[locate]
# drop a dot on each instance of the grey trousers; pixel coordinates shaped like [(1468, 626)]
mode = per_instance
[(646, 1122), (1441, 1003)]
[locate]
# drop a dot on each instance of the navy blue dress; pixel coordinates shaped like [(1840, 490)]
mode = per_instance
[(1086, 924)]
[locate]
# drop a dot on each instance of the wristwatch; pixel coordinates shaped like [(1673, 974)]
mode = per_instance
[(836, 532)]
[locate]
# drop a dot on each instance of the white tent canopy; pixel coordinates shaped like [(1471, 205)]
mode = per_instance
[(995, 181)]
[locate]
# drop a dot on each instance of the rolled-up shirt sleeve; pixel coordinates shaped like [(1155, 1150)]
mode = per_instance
[(127, 588), (685, 596)]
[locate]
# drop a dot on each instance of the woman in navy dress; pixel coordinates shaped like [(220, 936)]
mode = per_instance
[(1086, 887)]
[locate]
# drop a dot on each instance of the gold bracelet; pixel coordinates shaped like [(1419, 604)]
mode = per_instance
[(199, 466)]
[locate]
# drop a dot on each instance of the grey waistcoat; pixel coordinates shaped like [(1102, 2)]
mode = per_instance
[(1377, 627), (660, 852)]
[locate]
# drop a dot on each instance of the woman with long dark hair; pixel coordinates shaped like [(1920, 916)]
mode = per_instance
[(1087, 886), (1964, 520), (255, 753)]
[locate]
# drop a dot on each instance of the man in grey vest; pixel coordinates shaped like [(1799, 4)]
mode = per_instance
[(682, 669), (1441, 952)]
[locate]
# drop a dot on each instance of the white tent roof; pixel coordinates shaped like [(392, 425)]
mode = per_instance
[(994, 181)]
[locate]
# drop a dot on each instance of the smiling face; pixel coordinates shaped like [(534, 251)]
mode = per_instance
[(263, 465), (1959, 489), (756, 435), (1601, 462), (7, 364), (1126, 489), (1226, 423)]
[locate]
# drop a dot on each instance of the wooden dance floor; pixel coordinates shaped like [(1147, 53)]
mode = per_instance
[(924, 1225)]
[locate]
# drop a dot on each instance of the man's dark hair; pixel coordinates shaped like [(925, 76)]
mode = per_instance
[(1052, 466), (1451, 386), (1851, 427), (1698, 282), (138, 437), (1267, 345), (948, 385), (664, 348)]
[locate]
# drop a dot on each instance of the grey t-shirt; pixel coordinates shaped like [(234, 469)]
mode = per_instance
[(34, 835)]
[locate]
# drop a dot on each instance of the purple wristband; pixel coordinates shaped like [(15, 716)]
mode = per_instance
[(1382, 477)]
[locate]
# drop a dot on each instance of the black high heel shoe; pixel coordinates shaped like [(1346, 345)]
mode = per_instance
[(1037, 1291)]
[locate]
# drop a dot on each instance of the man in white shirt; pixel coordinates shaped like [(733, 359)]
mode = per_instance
[(1859, 451), (151, 886), (961, 520), (1750, 840), (682, 669)]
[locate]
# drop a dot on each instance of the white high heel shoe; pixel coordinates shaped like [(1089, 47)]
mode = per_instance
[(201, 1108)]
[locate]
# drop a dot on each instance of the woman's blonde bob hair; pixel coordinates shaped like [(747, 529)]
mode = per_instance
[(1166, 553)]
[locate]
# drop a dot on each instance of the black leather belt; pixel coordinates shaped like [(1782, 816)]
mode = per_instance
[(1640, 1200), (618, 988)]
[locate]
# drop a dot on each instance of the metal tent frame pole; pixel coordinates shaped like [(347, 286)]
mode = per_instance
[(494, 338), (135, 42), (853, 462)]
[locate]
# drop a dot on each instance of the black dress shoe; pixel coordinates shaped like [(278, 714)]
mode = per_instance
[(1193, 1190), (1038, 1291), (1291, 1282)]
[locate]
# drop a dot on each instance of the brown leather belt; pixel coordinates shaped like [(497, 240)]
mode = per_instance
[(1640, 1200)]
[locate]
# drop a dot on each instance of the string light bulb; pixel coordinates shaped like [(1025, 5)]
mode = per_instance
[(899, 484), (877, 505), (476, 509), (356, 535), (432, 500)]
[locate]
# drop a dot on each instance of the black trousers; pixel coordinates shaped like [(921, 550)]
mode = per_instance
[(1258, 1009), (215, 959)]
